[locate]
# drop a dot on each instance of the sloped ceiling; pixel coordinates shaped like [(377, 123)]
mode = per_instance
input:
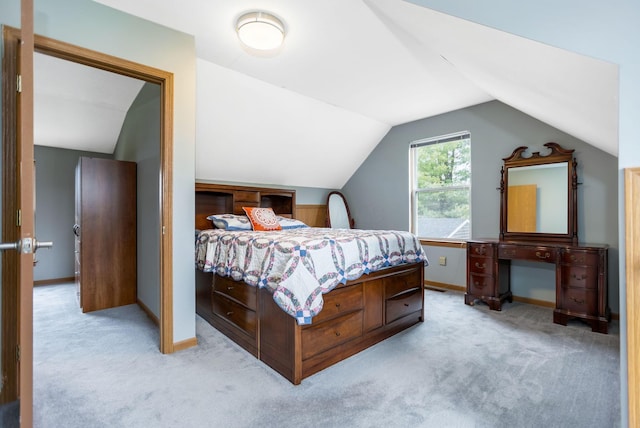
[(350, 70), (79, 107)]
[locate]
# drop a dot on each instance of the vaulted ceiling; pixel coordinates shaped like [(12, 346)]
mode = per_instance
[(350, 70)]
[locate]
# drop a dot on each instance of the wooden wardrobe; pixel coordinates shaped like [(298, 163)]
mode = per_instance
[(105, 233)]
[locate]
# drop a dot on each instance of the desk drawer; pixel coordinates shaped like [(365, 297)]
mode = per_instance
[(483, 265), (580, 257), (579, 300), (527, 252), (479, 249), (480, 285), (580, 276)]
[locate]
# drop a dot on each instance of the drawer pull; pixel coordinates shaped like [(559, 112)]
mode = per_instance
[(406, 304), (230, 287), (509, 253), (580, 302), (481, 265), (577, 259), (478, 284), (229, 313), (338, 305), (479, 250), (542, 256), (580, 277), (337, 333)]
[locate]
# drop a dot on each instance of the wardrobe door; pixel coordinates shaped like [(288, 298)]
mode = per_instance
[(108, 233)]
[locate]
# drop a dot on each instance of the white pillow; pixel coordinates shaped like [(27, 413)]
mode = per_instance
[(230, 221), (290, 223)]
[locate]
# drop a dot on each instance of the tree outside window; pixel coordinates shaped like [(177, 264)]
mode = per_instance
[(441, 186)]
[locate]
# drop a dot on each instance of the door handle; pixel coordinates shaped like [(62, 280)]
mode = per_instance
[(26, 245), (9, 245), (42, 244)]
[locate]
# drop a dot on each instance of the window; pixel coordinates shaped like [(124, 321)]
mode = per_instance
[(441, 186)]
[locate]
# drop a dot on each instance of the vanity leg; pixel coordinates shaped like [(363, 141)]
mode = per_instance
[(599, 326), (495, 304), (469, 299), (560, 318)]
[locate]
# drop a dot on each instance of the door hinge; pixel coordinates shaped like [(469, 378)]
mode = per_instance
[(17, 352), (19, 218), (19, 83)]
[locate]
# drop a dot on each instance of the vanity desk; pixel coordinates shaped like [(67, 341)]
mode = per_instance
[(528, 234), (581, 277)]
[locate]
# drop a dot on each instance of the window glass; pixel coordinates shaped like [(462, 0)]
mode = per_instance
[(441, 187)]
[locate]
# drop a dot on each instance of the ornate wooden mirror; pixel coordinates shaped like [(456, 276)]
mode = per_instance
[(338, 214), (538, 196)]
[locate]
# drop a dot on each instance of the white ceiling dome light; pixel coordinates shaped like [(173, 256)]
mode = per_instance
[(262, 31)]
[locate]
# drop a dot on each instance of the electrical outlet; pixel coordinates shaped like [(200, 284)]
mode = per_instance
[(442, 261)]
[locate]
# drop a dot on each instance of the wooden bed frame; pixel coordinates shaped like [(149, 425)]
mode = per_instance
[(355, 315)]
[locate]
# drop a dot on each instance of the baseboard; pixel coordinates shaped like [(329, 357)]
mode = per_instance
[(536, 302), (441, 286), (149, 313), (54, 281), (184, 344)]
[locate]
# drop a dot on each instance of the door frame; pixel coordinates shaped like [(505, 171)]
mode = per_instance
[(124, 67), (163, 78), (632, 250)]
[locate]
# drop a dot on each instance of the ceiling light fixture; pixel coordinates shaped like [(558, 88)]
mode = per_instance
[(260, 30)]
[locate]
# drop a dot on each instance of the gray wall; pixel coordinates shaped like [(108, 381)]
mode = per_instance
[(91, 25), (55, 210), (379, 197), (139, 142)]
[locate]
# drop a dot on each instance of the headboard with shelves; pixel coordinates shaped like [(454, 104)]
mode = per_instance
[(229, 199)]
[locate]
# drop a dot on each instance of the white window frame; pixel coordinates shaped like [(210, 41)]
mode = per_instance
[(413, 177)]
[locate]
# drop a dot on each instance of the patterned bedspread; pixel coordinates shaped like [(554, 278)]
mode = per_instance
[(299, 265)]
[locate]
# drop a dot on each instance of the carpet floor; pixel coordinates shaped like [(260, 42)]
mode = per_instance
[(465, 366)]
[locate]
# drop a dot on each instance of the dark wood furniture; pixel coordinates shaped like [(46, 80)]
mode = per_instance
[(581, 277), (355, 315), (105, 233), (581, 270), (563, 214)]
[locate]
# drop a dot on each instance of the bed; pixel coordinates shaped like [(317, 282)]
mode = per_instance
[(296, 324)]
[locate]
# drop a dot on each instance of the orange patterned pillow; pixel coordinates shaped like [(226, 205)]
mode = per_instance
[(262, 219)]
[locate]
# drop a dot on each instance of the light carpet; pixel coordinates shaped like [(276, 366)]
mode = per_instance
[(465, 366)]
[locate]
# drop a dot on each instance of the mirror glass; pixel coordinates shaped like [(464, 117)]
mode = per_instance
[(338, 215), (538, 198)]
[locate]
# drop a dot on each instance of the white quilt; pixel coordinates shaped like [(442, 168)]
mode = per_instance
[(300, 265)]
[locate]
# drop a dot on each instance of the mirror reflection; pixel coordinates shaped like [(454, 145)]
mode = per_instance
[(338, 215), (538, 198)]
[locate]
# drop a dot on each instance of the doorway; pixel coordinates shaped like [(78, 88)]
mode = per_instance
[(120, 66)]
